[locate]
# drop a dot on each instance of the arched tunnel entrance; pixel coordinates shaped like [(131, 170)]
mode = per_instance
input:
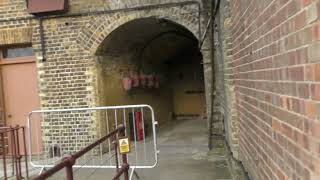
[(152, 61)]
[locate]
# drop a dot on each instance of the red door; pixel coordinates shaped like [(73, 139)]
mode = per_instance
[(20, 91)]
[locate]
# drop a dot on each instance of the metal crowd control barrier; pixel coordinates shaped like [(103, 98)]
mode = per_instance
[(67, 131)]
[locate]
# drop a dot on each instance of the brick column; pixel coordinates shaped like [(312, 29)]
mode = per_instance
[(208, 81)]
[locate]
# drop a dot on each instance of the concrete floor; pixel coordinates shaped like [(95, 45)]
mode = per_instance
[(183, 155)]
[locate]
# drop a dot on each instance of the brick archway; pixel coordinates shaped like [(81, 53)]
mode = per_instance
[(97, 28), (92, 35)]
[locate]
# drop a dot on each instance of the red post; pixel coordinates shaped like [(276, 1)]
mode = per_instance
[(18, 157), (138, 126), (123, 169), (10, 138), (71, 161), (4, 155), (125, 162), (122, 133), (115, 144), (25, 151), (14, 146), (69, 171)]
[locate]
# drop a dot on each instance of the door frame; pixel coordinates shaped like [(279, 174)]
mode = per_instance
[(10, 61)]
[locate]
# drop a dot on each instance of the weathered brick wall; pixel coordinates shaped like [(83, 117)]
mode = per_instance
[(13, 9), (68, 77), (225, 101), (275, 69)]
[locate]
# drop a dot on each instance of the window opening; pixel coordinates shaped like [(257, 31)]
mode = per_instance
[(15, 52)]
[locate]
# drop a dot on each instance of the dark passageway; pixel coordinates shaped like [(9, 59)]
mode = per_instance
[(164, 53)]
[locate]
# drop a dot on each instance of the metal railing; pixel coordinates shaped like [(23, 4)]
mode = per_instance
[(66, 131), (69, 161), (13, 149)]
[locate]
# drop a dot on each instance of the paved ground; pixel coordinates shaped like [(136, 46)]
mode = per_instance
[(183, 155)]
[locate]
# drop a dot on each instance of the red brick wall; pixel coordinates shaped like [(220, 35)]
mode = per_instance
[(276, 69)]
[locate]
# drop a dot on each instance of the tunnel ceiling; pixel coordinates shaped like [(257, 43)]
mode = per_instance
[(149, 38)]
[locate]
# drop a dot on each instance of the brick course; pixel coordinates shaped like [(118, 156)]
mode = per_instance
[(274, 66)]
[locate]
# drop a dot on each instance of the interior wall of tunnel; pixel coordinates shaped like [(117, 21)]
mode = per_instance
[(151, 47)]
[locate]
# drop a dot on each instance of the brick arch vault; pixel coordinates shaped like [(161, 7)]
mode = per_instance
[(75, 59), (98, 28)]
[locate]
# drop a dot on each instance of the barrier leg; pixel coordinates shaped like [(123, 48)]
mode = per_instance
[(134, 172)]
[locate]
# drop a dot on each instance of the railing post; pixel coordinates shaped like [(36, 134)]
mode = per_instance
[(122, 133), (25, 151), (115, 144), (4, 155), (69, 170), (14, 146), (16, 131)]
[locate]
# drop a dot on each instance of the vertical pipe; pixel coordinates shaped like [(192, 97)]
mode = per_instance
[(4, 156), (108, 130), (124, 158), (14, 152), (99, 122), (29, 135), (42, 42), (60, 139), (16, 131), (144, 136), (116, 126), (38, 140), (25, 151), (77, 133), (116, 118), (124, 120), (211, 37), (69, 172), (135, 135), (115, 144), (52, 139), (125, 125)]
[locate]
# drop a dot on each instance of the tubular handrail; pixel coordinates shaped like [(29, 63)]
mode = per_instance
[(70, 160)]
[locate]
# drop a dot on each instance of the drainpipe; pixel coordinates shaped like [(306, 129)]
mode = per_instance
[(42, 42), (211, 37), (214, 8)]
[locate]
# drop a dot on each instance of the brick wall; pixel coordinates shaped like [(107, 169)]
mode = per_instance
[(68, 77), (274, 66), (225, 100), (13, 9)]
